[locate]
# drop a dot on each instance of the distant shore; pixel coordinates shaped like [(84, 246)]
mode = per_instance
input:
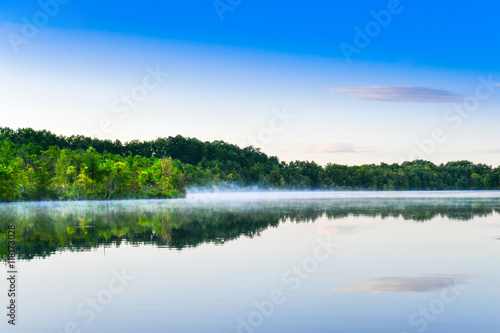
[(39, 165)]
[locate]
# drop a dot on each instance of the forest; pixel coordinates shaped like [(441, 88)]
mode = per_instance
[(39, 165)]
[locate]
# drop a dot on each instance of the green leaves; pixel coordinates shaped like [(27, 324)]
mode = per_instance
[(10, 172), (38, 165), (29, 173)]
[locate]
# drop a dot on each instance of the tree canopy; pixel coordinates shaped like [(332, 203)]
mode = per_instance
[(39, 165)]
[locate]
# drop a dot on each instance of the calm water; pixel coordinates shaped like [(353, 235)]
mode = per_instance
[(259, 262)]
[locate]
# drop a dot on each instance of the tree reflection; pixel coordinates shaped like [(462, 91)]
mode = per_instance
[(42, 230)]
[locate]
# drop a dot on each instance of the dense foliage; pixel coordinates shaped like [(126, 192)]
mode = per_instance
[(29, 173), (39, 165)]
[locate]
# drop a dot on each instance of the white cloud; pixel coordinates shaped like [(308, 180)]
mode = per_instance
[(336, 148), (400, 94)]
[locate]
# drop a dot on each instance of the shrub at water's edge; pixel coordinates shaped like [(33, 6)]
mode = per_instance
[(28, 173)]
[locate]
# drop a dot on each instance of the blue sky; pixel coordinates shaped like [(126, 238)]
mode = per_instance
[(330, 81)]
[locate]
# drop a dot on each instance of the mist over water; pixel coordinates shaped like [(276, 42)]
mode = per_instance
[(254, 198), (261, 195)]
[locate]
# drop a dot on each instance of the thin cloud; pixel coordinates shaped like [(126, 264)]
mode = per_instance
[(419, 284), (490, 151), (336, 148), (318, 103), (400, 94)]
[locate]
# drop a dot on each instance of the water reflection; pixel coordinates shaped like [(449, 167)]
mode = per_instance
[(44, 228), (406, 284)]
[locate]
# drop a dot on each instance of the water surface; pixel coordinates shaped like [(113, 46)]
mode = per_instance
[(260, 262)]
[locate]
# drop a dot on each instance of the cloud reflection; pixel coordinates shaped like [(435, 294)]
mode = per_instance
[(419, 284), (322, 230)]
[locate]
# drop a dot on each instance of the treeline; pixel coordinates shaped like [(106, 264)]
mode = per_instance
[(39, 165)]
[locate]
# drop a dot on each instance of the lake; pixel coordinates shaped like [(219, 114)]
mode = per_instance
[(257, 262)]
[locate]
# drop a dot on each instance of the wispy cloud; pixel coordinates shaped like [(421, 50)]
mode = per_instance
[(335, 148), (428, 283), (400, 94), (318, 103), (489, 151)]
